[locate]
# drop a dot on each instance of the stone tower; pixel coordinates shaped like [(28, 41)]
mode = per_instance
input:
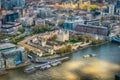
[(88, 7), (111, 9), (80, 4)]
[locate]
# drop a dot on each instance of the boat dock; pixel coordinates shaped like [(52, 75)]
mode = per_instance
[(37, 60), (115, 39), (46, 65)]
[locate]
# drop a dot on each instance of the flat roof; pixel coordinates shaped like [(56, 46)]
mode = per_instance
[(93, 26), (6, 25), (12, 51), (6, 45)]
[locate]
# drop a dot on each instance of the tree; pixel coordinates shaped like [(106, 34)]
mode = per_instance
[(60, 23), (1, 34), (21, 29), (88, 37), (53, 23), (75, 37), (65, 49), (41, 28), (84, 6), (94, 7), (54, 37), (96, 41), (68, 48)]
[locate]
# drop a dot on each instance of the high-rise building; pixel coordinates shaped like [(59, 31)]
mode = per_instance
[(10, 4), (118, 3), (117, 77), (111, 9), (0, 4), (18, 3), (80, 4), (10, 17)]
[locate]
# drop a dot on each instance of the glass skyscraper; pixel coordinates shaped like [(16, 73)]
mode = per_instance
[(10, 4)]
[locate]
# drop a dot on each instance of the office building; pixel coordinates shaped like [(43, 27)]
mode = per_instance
[(10, 56), (44, 12), (113, 8), (10, 17), (10, 4), (10, 28), (91, 29), (117, 77), (71, 24)]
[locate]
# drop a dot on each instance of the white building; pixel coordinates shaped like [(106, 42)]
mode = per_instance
[(63, 35), (111, 9), (39, 21), (70, 24), (10, 28), (26, 21)]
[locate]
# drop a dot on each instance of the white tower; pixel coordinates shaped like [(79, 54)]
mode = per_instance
[(88, 6), (111, 9)]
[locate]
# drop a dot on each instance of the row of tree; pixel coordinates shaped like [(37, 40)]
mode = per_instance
[(18, 38), (65, 49), (92, 7), (41, 28), (84, 38), (21, 29)]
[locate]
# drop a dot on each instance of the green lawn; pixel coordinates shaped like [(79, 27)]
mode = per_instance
[(72, 41)]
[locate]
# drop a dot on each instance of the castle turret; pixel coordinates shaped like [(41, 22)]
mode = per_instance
[(111, 9), (80, 4), (63, 35)]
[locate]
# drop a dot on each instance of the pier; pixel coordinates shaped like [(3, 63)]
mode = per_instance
[(116, 39), (46, 65)]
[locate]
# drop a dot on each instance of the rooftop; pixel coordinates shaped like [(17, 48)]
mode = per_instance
[(12, 51), (101, 27), (6, 45)]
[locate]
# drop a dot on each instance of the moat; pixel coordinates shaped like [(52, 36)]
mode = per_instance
[(102, 67)]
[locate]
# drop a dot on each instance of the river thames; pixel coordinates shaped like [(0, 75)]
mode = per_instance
[(102, 67)]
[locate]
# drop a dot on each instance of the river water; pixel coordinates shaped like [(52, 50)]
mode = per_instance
[(102, 67)]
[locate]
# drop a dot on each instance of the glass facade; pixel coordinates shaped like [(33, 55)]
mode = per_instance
[(68, 26), (11, 17), (10, 57), (10, 4)]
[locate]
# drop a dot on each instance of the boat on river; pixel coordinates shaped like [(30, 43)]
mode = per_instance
[(29, 70), (56, 63), (45, 67), (116, 39), (89, 55)]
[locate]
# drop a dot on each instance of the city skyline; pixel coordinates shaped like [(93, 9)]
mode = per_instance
[(59, 39)]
